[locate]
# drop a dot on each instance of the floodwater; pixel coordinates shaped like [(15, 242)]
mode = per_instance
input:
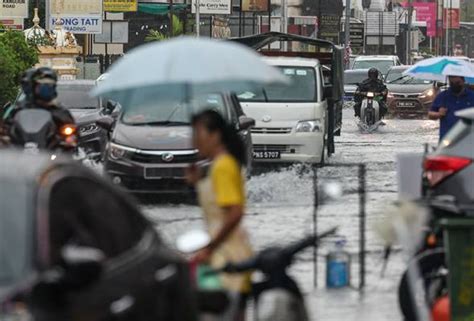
[(280, 210)]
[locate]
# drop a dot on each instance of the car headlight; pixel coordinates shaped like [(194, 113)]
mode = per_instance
[(309, 126), (390, 95), (89, 129), (427, 93), (119, 152)]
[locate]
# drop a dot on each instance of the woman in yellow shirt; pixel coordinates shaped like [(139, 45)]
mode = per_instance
[(221, 195)]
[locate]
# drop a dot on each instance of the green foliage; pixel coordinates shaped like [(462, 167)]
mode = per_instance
[(178, 30), (15, 57)]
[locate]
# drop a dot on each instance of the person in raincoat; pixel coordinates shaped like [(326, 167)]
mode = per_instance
[(221, 195)]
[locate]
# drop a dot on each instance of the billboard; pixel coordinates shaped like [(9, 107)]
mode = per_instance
[(451, 19), (426, 11), (81, 17), (14, 8), (213, 6), (255, 5), (120, 5), (12, 24)]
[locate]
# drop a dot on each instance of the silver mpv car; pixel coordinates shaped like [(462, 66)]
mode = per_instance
[(449, 170)]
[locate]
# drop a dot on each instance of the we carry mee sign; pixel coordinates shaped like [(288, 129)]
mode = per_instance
[(80, 17)]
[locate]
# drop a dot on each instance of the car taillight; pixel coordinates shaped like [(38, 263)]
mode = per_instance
[(438, 168)]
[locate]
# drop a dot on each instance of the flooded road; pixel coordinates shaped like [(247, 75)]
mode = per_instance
[(280, 210)]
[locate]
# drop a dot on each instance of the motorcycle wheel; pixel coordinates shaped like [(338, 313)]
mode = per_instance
[(429, 263)]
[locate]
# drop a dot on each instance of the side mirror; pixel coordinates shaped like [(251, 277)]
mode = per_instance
[(246, 122), (327, 92), (440, 84), (110, 106), (106, 123)]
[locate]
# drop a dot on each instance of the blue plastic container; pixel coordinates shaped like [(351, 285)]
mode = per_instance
[(338, 267)]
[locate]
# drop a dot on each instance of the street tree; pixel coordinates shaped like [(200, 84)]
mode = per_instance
[(16, 55)]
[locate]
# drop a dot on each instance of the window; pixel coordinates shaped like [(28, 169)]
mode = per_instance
[(382, 65), (77, 96), (172, 108), (302, 88)]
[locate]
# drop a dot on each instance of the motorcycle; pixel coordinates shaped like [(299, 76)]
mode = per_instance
[(370, 114), (430, 260), (277, 297), (35, 129)]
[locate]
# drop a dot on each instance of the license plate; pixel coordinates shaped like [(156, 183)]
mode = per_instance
[(406, 104), (266, 155), (347, 98), (163, 172)]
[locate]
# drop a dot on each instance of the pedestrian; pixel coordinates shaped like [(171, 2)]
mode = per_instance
[(221, 195), (457, 97)]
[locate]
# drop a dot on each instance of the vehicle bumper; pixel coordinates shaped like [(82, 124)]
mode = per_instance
[(131, 175), (418, 107), (94, 143), (293, 148)]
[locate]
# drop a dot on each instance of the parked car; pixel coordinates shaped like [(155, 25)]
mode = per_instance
[(382, 63), (86, 110), (151, 145), (78, 248), (291, 119), (408, 96), (449, 170)]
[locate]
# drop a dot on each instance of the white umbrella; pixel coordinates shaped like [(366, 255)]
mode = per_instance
[(197, 64), (438, 68)]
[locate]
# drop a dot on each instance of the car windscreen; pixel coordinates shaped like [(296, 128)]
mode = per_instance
[(397, 77), (16, 234), (354, 78), (302, 88), (382, 65), (76, 96), (172, 108)]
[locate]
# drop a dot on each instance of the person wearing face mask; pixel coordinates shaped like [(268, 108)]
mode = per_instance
[(39, 88), (448, 102)]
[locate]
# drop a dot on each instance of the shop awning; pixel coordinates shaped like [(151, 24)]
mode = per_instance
[(160, 8)]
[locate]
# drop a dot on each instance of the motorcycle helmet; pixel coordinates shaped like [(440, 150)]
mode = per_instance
[(373, 73), (44, 81)]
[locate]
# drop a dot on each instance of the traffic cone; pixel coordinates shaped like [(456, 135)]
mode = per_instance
[(441, 310)]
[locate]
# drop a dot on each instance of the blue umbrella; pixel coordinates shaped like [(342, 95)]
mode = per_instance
[(439, 68)]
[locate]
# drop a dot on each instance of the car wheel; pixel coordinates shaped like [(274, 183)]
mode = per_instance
[(429, 265)]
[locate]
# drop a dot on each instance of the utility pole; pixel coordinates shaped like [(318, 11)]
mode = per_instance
[(446, 12), (409, 26), (198, 18), (347, 27)]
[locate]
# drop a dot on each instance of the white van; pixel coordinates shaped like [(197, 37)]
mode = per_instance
[(291, 120)]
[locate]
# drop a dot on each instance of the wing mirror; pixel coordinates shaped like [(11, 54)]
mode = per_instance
[(246, 122), (110, 106), (440, 84), (106, 123), (328, 92)]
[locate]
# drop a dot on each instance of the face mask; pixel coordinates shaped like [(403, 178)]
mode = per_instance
[(456, 88), (46, 92)]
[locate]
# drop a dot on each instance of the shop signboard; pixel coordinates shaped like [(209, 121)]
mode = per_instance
[(80, 17)]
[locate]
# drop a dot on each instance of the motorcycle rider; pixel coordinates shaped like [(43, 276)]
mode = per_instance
[(39, 87), (371, 84)]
